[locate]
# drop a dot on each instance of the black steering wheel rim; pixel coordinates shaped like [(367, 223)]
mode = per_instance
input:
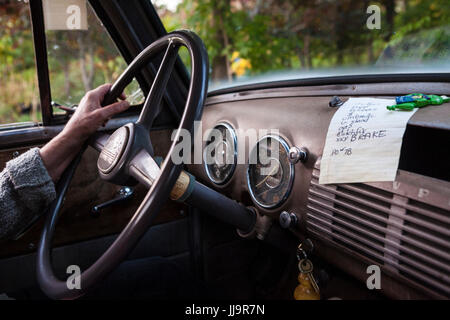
[(160, 189)]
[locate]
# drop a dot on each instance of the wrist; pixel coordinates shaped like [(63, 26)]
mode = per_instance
[(67, 140), (58, 153), (74, 138)]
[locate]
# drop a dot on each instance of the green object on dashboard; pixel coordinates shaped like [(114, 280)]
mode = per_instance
[(417, 100)]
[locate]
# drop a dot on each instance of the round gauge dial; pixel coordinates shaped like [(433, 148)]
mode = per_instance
[(270, 174), (220, 153)]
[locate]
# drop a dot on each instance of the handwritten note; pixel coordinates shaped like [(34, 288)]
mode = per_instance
[(363, 142)]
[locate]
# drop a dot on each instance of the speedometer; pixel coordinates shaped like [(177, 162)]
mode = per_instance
[(220, 153), (270, 175)]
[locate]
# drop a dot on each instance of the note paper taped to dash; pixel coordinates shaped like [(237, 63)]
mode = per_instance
[(363, 142)]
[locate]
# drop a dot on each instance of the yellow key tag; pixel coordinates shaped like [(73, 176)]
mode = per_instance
[(307, 288)]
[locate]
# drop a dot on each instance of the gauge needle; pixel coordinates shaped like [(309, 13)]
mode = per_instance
[(275, 169)]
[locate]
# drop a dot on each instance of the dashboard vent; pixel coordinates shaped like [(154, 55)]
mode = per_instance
[(402, 226)]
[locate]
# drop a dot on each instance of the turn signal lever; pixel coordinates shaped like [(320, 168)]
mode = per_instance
[(123, 194)]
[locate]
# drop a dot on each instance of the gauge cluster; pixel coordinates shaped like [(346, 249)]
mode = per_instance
[(270, 175), (269, 171), (220, 153)]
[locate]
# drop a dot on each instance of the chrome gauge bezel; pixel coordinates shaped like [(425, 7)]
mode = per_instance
[(231, 130), (286, 146)]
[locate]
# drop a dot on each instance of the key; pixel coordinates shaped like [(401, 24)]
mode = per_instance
[(306, 267)]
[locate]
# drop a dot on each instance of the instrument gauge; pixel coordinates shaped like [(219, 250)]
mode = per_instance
[(270, 174), (220, 153)]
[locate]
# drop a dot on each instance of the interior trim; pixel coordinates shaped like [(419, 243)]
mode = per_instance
[(354, 89), (428, 117), (160, 240), (357, 79), (35, 134)]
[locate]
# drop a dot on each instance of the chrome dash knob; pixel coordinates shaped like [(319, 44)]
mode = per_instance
[(297, 154)]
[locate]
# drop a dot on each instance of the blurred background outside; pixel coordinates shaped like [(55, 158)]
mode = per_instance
[(247, 41)]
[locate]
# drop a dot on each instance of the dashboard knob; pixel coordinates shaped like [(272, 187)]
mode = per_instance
[(335, 102), (288, 220), (297, 154)]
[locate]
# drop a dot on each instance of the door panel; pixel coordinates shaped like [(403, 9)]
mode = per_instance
[(87, 190), (169, 240)]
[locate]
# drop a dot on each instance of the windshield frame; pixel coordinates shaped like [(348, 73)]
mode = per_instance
[(334, 80)]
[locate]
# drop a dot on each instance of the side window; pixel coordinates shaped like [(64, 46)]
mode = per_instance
[(19, 94), (80, 60)]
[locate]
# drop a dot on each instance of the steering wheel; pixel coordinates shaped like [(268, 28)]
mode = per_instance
[(127, 154)]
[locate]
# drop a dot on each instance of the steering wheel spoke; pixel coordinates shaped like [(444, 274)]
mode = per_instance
[(152, 105), (98, 141), (144, 168)]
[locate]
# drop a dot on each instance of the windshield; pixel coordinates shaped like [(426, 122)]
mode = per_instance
[(252, 41)]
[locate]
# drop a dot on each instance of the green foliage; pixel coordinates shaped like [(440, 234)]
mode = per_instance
[(78, 61), (274, 35), (298, 34), (18, 85), (420, 15)]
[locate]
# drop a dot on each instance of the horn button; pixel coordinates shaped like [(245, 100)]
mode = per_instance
[(113, 150)]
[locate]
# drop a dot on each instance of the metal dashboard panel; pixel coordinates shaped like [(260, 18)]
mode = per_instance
[(293, 118), (302, 116)]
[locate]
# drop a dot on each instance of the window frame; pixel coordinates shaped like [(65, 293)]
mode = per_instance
[(40, 56)]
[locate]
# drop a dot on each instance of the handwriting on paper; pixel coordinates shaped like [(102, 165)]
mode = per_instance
[(363, 142)]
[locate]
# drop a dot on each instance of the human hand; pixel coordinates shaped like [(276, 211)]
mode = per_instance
[(90, 115)]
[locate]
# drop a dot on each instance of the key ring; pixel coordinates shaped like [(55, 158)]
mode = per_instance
[(301, 253)]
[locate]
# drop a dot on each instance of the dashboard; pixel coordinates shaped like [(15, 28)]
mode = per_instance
[(287, 185), (276, 171)]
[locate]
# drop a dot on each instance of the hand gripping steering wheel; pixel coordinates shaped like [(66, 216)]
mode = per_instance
[(127, 154)]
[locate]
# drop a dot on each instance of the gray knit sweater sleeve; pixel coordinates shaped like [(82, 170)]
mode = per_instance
[(26, 189)]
